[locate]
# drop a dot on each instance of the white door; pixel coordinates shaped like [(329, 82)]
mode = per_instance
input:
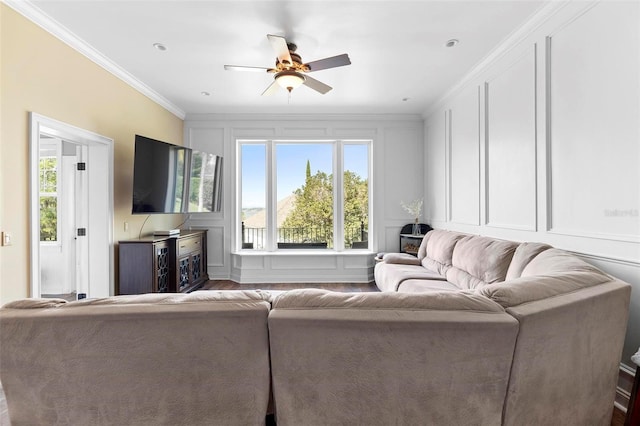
[(91, 192), (81, 231)]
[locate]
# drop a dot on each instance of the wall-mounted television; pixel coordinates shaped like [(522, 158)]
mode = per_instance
[(164, 173)]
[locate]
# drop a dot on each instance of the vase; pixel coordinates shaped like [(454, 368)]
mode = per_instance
[(416, 229)]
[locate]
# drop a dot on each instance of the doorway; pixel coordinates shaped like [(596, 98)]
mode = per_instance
[(71, 211)]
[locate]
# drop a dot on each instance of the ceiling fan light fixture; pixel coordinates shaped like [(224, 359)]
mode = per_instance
[(289, 80)]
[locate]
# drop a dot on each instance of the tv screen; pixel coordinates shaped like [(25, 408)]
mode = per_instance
[(159, 177)]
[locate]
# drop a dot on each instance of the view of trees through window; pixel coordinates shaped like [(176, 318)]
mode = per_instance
[(48, 199), (304, 186)]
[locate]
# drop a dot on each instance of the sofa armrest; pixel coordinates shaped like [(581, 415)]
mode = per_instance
[(401, 258)]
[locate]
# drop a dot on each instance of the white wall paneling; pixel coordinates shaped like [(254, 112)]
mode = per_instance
[(464, 159), (435, 173), (404, 170), (301, 132), (594, 132), (397, 175), (561, 141), (510, 145)]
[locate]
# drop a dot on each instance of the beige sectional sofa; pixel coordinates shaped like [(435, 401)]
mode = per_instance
[(571, 317), (475, 331)]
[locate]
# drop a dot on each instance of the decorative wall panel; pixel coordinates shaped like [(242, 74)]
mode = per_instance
[(464, 159), (594, 138), (435, 169), (510, 145), (404, 169)]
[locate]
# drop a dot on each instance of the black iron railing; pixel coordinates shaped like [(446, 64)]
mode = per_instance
[(313, 236)]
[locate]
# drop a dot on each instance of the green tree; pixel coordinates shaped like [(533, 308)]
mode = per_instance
[(48, 199), (311, 219), (356, 207)]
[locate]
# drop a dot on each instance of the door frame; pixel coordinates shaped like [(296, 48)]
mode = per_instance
[(40, 124)]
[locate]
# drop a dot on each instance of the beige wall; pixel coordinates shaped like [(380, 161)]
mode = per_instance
[(40, 73)]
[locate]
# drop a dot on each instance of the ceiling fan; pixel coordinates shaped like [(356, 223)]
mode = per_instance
[(289, 70)]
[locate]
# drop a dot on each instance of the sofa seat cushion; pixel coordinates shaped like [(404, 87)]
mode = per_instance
[(478, 261), (436, 250), (552, 273), (426, 286), (388, 276)]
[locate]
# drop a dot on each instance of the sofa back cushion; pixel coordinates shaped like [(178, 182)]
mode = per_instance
[(323, 299), (552, 273), (146, 359), (478, 261), (393, 358), (523, 255), (436, 250)]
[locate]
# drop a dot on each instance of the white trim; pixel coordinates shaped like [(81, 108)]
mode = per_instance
[(627, 262), (597, 235), (38, 17), (298, 117), (623, 393), (337, 154), (512, 40), (74, 134)]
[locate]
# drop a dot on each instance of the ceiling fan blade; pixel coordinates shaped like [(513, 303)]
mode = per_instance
[(333, 62), (273, 88), (243, 68), (316, 85), (279, 44)]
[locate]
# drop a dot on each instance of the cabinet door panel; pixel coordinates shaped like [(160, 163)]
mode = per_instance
[(161, 268)]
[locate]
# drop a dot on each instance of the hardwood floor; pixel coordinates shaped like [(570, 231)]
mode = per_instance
[(342, 287), (618, 417)]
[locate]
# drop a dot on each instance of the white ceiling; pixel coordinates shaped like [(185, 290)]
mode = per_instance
[(397, 48)]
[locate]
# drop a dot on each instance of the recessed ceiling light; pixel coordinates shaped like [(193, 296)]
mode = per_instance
[(205, 93), (452, 42), (160, 46)]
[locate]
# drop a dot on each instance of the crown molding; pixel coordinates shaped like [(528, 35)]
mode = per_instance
[(38, 17), (542, 15), (273, 117)]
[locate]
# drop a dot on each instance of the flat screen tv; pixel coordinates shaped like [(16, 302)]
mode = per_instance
[(164, 173)]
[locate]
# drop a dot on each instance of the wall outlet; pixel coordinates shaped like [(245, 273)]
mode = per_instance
[(5, 238), (126, 227)]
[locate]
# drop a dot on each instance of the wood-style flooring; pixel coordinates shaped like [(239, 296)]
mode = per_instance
[(342, 287)]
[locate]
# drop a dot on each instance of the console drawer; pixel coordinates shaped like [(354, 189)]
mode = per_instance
[(188, 245)]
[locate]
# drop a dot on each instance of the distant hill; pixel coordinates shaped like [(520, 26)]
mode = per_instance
[(257, 218)]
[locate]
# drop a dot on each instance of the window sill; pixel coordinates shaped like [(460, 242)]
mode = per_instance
[(304, 252)]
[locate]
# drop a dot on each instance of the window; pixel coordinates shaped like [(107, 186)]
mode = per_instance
[(49, 205), (304, 194)]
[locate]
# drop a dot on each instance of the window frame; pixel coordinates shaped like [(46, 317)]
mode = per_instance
[(271, 193)]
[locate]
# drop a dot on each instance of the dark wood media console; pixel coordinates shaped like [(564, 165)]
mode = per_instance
[(163, 264)]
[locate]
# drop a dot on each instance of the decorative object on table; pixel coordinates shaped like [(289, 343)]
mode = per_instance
[(414, 208), (633, 410), (410, 241)]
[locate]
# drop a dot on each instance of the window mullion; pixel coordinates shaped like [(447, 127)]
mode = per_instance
[(338, 196), (271, 192)]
